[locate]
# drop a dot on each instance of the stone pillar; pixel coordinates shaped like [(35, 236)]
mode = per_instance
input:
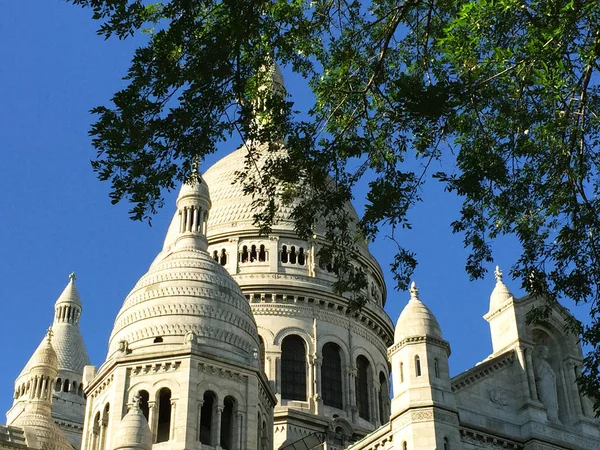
[(523, 374), (237, 431), (352, 384), (152, 419), (199, 418), (217, 429), (570, 369), (273, 254), (531, 375), (278, 376), (317, 363), (173, 419), (566, 392)]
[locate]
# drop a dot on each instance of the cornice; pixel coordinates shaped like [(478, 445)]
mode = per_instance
[(482, 370)]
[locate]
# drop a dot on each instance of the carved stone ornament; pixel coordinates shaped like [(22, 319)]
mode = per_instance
[(499, 397)]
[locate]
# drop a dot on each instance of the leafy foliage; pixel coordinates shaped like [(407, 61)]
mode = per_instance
[(508, 89)]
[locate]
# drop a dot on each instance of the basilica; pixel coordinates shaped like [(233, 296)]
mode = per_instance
[(233, 340)]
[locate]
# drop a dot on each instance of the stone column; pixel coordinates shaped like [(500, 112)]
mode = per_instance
[(152, 418), (173, 418), (217, 429), (566, 392), (237, 430), (352, 385), (570, 369), (523, 374), (278, 375), (199, 418), (530, 374)]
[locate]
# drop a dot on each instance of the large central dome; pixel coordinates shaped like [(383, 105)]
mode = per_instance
[(185, 293)]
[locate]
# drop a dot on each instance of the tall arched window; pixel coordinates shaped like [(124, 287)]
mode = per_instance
[(417, 366), (262, 254), (301, 257), (206, 417), (253, 254), (362, 387), (227, 423), (293, 368), (58, 385), (96, 432), (401, 372), (331, 375), (144, 403), (384, 395), (104, 425), (446, 444), (436, 368), (293, 255), (66, 386), (404, 446), (262, 352), (284, 254), (164, 415), (244, 254), (223, 257)]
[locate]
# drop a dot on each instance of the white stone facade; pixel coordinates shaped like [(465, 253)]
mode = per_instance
[(236, 341)]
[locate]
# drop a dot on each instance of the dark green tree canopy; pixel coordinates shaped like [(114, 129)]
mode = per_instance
[(508, 90)]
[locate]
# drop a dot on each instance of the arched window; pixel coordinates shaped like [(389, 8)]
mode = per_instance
[(96, 432), (104, 425), (338, 438), (404, 446), (66, 386), (362, 387), (401, 372), (223, 257), (262, 352), (446, 444), (436, 368), (293, 255), (331, 375), (293, 368), (80, 390), (58, 385), (384, 395), (244, 254), (284, 254), (301, 257), (253, 254), (163, 431), (144, 403), (417, 366), (216, 255), (206, 418), (262, 254), (227, 423), (74, 387)]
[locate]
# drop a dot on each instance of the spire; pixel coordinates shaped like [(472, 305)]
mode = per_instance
[(67, 308), (414, 291), (501, 294), (189, 225)]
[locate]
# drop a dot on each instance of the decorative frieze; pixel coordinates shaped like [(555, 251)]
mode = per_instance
[(155, 368)]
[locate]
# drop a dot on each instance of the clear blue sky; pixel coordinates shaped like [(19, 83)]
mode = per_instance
[(55, 217)]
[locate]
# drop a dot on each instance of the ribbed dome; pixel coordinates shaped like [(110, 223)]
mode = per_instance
[(416, 319), (133, 433), (44, 356), (185, 291), (501, 294)]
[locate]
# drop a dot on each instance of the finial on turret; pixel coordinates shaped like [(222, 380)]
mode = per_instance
[(414, 291), (72, 276), (498, 274), (49, 335), (136, 400)]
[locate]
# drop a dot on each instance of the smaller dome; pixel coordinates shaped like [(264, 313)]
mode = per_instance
[(416, 319), (195, 188), (69, 295), (133, 433), (501, 294), (45, 357)]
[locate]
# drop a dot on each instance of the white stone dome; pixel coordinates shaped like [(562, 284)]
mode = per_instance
[(416, 319), (133, 433), (186, 292)]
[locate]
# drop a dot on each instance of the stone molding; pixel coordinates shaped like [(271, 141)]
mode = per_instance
[(481, 371), (221, 371), (418, 340), (488, 441), (155, 368)]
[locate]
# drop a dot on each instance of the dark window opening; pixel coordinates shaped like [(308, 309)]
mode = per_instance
[(293, 255), (144, 403), (66, 386), (244, 255), (301, 257), (164, 415), (384, 394), (223, 257), (158, 340), (293, 368), (436, 368), (227, 423), (206, 417), (262, 254), (262, 352), (58, 385), (417, 366), (253, 254), (284, 254), (331, 375), (362, 387), (216, 256)]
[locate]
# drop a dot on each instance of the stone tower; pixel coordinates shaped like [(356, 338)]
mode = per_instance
[(424, 414), (328, 365), (36, 394), (186, 342), (68, 404)]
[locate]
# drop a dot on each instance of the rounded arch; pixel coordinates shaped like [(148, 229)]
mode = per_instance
[(163, 405), (208, 411), (285, 332), (173, 385), (267, 335), (294, 368), (326, 338), (332, 379), (363, 382)]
